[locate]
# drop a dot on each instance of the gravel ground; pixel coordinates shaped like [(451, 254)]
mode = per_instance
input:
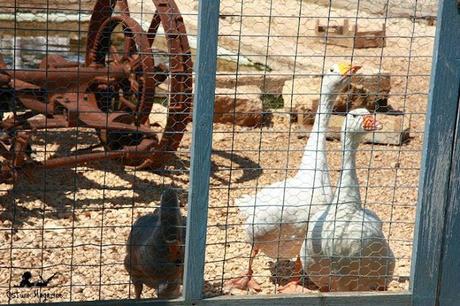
[(75, 222)]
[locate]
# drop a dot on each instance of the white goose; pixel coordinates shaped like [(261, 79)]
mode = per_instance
[(276, 217), (346, 249)]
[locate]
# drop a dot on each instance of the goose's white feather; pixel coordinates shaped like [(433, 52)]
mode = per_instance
[(277, 216), (346, 249)]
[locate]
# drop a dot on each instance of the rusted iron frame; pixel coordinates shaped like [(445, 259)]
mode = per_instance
[(101, 21), (60, 79), (180, 66), (180, 69), (86, 114)]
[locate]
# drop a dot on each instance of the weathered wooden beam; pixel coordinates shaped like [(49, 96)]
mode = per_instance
[(313, 299), (450, 267), (200, 159), (351, 37), (433, 272)]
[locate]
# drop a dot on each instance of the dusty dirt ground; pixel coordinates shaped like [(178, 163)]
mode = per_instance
[(75, 221)]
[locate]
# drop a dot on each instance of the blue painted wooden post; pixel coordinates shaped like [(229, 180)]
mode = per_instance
[(437, 162), (203, 112), (450, 265)]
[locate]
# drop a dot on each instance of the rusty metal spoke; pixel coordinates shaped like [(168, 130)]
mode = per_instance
[(112, 92)]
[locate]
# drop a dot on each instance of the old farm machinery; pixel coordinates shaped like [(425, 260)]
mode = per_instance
[(112, 92)]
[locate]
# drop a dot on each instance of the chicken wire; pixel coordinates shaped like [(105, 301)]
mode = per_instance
[(269, 74), (75, 221), (70, 225)]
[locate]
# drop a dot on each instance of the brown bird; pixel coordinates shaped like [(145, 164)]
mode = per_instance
[(155, 249)]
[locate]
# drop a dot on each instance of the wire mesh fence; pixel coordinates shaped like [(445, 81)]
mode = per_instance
[(96, 107), (261, 188), (96, 124)]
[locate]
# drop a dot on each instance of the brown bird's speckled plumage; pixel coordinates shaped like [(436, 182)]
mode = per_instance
[(155, 249)]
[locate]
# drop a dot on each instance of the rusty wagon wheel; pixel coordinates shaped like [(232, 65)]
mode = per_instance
[(133, 97)]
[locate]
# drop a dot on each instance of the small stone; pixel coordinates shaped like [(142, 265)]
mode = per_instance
[(79, 290), (267, 84), (242, 106)]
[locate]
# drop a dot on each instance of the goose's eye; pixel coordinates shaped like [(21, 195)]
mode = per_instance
[(331, 70), (354, 115)]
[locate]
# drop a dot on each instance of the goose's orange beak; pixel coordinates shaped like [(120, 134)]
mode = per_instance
[(353, 70), (347, 69), (371, 124)]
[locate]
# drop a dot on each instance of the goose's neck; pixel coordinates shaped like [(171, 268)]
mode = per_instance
[(316, 144), (347, 192)]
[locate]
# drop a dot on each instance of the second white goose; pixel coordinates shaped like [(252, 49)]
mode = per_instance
[(346, 249)]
